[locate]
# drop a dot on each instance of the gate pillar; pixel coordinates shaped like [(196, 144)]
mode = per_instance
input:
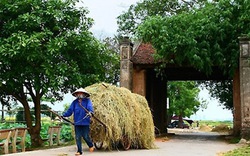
[(126, 66), (245, 86)]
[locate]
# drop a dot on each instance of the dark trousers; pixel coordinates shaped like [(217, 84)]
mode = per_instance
[(82, 131)]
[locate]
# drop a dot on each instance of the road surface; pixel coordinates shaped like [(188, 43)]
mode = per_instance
[(186, 144)]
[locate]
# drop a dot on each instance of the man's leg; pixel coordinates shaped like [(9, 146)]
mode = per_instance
[(87, 138), (78, 138)]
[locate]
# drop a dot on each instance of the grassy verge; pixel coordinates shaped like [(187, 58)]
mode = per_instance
[(242, 151)]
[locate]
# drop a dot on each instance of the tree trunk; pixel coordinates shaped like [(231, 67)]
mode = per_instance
[(169, 118), (33, 128), (180, 123), (36, 140)]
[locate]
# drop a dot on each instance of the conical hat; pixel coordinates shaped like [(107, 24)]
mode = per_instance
[(82, 91)]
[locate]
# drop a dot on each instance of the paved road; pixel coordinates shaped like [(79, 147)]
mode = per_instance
[(187, 144)]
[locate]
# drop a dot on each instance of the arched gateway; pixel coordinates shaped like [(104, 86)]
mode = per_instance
[(138, 75)]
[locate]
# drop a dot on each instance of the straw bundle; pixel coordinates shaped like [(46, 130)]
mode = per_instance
[(124, 113)]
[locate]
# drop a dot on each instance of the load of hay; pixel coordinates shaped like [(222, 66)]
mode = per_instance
[(205, 128), (124, 113), (222, 128)]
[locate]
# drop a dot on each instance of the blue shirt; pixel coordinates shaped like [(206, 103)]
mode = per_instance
[(80, 117)]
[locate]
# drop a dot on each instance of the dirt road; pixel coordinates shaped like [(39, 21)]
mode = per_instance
[(180, 144)]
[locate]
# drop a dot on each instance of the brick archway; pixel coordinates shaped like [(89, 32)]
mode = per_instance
[(138, 75)]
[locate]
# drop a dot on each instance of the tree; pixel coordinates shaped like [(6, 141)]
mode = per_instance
[(129, 21), (202, 39), (183, 98), (223, 90), (46, 50), (5, 102), (202, 34), (112, 66)]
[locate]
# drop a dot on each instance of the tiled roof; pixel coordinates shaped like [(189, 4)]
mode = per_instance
[(143, 54)]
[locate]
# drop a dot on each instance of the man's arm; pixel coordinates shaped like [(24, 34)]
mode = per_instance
[(69, 111), (90, 106)]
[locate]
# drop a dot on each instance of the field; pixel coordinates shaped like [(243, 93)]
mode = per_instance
[(215, 123)]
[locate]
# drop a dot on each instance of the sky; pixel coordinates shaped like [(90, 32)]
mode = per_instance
[(104, 14), (214, 110)]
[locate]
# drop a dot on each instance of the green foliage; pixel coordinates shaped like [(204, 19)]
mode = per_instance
[(112, 66), (46, 50), (20, 117), (223, 90), (46, 111), (212, 123), (201, 34), (234, 140), (129, 21), (7, 125), (46, 45), (202, 38), (65, 135), (66, 106), (183, 98), (242, 151)]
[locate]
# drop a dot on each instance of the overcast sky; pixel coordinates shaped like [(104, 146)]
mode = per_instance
[(104, 13)]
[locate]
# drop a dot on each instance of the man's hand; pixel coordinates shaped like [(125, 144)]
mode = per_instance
[(90, 114)]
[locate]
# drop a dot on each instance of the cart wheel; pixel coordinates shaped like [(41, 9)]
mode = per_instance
[(98, 145), (126, 143)]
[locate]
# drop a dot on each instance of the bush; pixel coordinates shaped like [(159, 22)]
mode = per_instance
[(66, 134)]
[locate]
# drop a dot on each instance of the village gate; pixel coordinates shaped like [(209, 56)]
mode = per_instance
[(138, 74)]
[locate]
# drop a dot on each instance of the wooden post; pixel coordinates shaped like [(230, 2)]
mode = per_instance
[(236, 104)]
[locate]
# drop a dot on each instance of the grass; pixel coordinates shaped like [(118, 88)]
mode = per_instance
[(215, 123), (242, 151)]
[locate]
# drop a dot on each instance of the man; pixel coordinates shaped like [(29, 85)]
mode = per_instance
[(81, 118)]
